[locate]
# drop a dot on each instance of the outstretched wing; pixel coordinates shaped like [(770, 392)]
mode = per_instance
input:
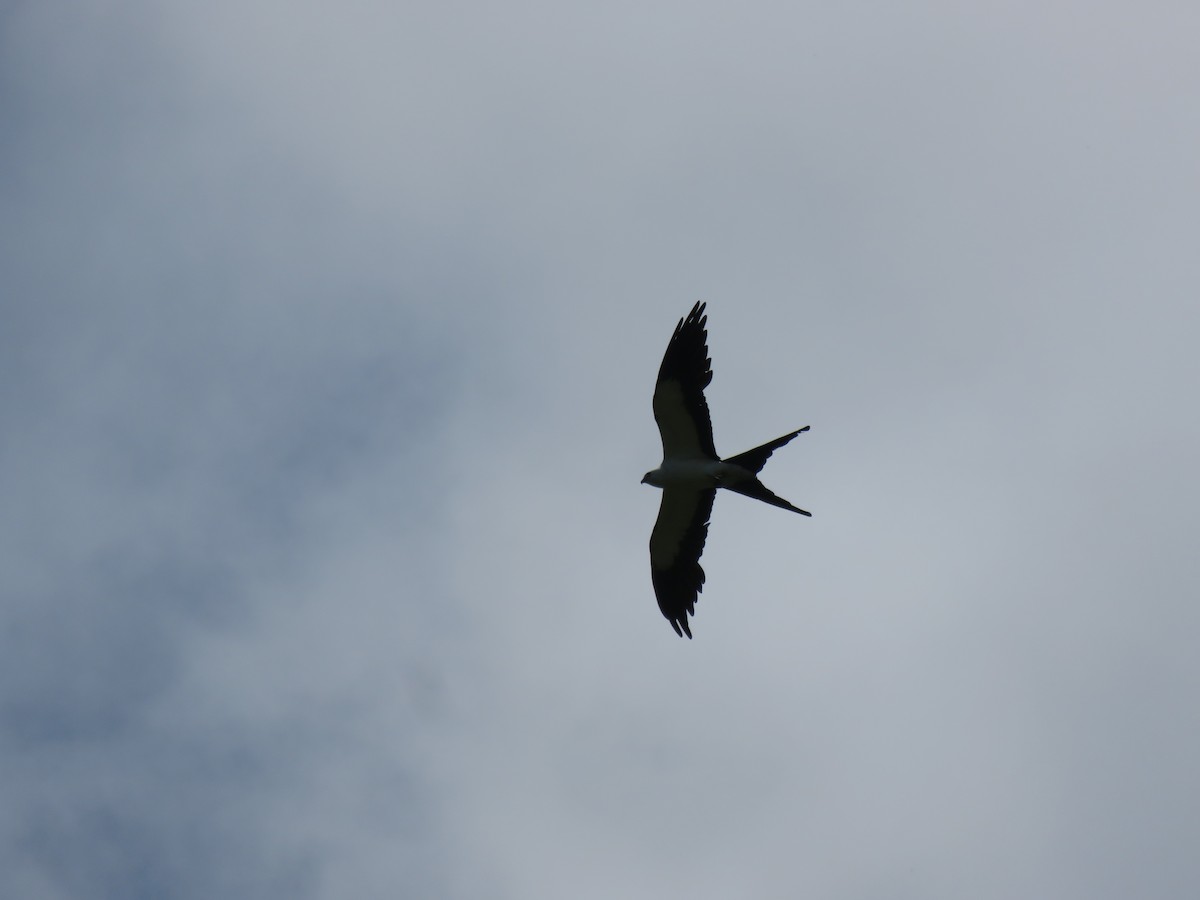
[(679, 406), (675, 547)]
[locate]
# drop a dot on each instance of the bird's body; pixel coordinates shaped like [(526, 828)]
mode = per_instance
[(691, 472), (695, 473)]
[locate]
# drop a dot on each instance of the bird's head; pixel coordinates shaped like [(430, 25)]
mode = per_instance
[(652, 478)]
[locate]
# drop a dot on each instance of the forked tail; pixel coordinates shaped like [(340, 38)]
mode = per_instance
[(754, 460), (760, 491)]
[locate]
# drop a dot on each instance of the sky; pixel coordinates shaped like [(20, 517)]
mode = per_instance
[(329, 334)]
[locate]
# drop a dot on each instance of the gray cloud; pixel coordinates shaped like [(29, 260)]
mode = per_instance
[(328, 344)]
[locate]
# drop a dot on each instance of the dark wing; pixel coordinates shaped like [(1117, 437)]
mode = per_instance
[(679, 406), (675, 547)]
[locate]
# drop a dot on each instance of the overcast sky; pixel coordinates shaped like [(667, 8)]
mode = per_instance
[(327, 345)]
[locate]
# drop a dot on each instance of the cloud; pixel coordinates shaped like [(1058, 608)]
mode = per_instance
[(325, 391)]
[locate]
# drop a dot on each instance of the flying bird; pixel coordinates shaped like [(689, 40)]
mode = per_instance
[(691, 471)]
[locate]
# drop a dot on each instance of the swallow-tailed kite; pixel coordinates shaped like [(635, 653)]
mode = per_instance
[(691, 471)]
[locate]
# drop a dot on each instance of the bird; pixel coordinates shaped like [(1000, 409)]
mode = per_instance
[(691, 471)]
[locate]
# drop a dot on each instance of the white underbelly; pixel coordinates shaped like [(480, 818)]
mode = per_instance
[(699, 473)]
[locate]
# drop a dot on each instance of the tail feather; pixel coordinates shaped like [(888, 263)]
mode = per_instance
[(754, 460), (760, 491)]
